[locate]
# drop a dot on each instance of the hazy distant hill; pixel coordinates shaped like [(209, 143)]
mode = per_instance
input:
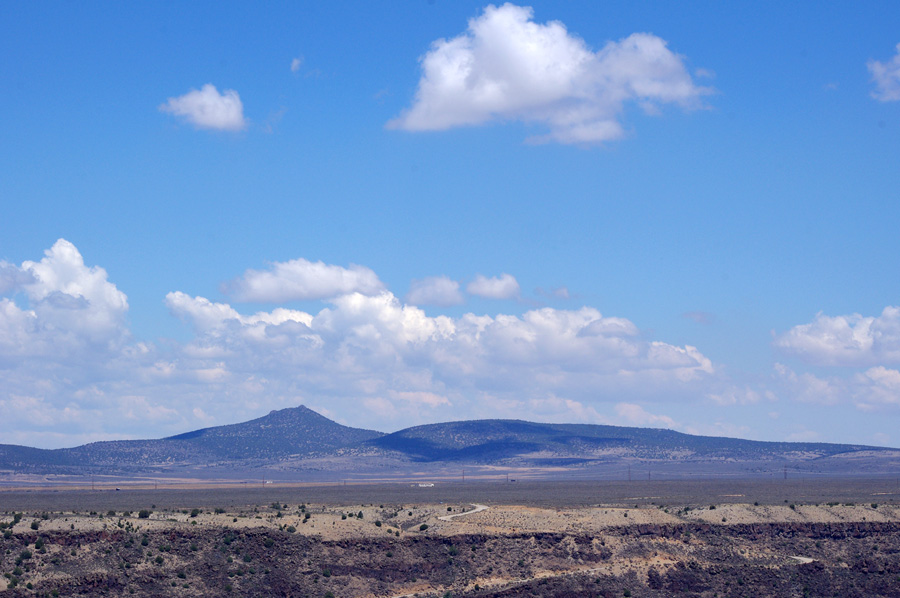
[(485, 441), (298, 439)]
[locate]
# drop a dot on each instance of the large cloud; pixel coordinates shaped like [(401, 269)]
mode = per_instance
[(507, 67), (301, 279), (70, 371), (206, 108), (848, 340), (64, 351), (886, 76), (374, 345), (70, 307)]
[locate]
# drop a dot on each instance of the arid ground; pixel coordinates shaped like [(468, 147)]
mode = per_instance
[(703, 538)]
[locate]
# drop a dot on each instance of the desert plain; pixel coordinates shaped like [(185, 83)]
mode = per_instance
[(815, 537)]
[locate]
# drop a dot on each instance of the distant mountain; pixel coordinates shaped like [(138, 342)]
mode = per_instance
[(299, 439), (484, 441), (293, 432), (296, 431)]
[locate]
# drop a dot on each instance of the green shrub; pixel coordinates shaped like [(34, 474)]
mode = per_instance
[(423, 527), (144, 514), (195, 512), (35, 525)]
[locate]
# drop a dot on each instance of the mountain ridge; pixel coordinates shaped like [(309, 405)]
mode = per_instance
[(299, 439)]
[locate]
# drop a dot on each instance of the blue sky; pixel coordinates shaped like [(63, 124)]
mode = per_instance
[(658, 214)]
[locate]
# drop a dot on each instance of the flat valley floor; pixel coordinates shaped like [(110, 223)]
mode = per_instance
[(837, 537)]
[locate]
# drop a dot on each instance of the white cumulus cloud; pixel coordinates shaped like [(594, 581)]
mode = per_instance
[(878, 387), (847, 340), (301, 279), (70, 306), (508, 67), (886, 76), (874, 388), (206, 108), (66, 356), (504, 286), (376, 346), (435, 290)]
